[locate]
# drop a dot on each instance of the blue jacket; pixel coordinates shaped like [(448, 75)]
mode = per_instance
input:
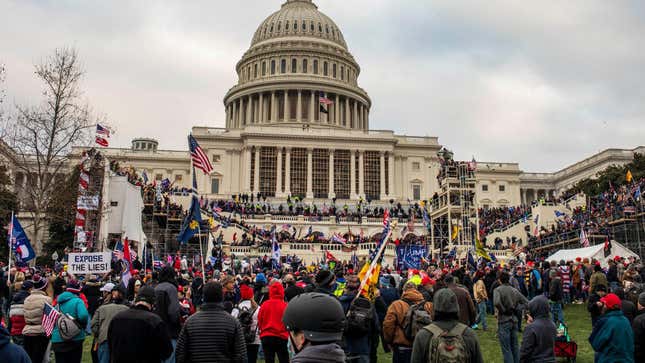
[(612, 338), (11, 353), (71, 304)]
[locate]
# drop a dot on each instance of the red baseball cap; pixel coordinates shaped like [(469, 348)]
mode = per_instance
[(611, 301)]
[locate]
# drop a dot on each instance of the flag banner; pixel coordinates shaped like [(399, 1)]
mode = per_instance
[(324, 100), (20, 244), (536, 229), (190, 225), (126, 271), (199, 157), (410, 256), (628, 176), (101, 141), (88, 202), (89, 262), (559, 214), (584, 240), (50, 318), (480, 250), (102, 130)]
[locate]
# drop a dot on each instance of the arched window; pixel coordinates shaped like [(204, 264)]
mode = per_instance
[(279, 25), (348, 75), (283, 66), (255, 70), (325, 70), (295, 25), (333, 70), (311, 26), (294, 65), (304, 26), (342, 73), (273, 66), (248, 73), (271, 31), (315, 66), (264, 68), (286, 25), (319, 28), (327, 29), (304, 66)]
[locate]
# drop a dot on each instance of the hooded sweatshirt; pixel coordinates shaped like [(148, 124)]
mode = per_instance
[(11, 352), (539, 336), (270, 315)]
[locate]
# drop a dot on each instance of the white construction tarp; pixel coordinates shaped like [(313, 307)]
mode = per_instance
[(596, 251), (126, 205)]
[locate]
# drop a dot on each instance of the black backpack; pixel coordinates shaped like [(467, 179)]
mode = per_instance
[(245, 317), (415, 319), (360, 317)]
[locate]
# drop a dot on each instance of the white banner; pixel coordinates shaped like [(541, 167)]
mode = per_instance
[(90, 202), (89, 263)]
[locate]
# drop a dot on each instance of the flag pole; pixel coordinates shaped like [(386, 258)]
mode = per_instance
[(9, 258), (374, 262)]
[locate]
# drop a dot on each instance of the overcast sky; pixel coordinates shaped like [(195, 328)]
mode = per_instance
[(542, 83)]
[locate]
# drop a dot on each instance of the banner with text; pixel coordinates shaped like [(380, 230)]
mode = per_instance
[(410, 256), (89, 263)]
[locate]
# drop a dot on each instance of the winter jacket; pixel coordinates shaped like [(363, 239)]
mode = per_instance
[(246, 304), (167, 307), (11, 353), (393, 333), (629, 310), (323, 353), (292, 291), (420, 349), (467, 312), (597, 278), (638, 327), (211, 335), (137, 335), (555, 290), (270, 315), (479, 291), (507, 300), (71, 304), (92, 293), (102, 318), (612, 339), (539, 336), (593, 308), (17, 312), (33, 308), (389, 295), (361, 344)]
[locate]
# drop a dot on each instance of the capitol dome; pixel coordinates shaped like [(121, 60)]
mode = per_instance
[(298, 70)]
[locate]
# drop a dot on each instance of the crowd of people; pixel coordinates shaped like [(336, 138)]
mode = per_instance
[(319, 313), (491, 219)]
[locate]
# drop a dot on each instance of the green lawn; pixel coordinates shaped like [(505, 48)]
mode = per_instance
[(576, 316)]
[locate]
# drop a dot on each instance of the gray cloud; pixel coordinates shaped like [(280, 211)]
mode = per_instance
[(544, 83)]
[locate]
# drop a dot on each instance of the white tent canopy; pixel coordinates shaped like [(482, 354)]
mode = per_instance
[(596, 251)]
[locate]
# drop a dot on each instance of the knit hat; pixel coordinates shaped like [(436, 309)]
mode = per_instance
[(353, 282), (73, 286), (611, 301), (246, 292), (260, 278), (445, 301), (641, 299), (324, 278), (39, 282), (26, 285), (146, 294)]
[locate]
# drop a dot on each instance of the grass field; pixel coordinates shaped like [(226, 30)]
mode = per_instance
[(576, 317)]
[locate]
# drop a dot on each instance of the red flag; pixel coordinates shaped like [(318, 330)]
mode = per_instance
[(329, 256), (126, 253), (101, 141)]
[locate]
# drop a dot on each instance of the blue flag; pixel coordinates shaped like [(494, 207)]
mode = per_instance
[(191, 223), (471, 260), (559, 214), (20, 244)]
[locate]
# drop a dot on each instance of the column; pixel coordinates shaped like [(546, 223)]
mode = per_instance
[(256, 172), (261, 109), (287, 111), (352, 174), (234, 121), (247, 170), (403, 175), (522, 196), (278, 175), (249, 110), (228, 116), (274, 107), (287, 171), (299, 107), (347, 114), (361, 173), (390, 175), (382, 170), (240, 113), (310, 193), (337, 111), (331, 193), (312, 106), (356, 121)]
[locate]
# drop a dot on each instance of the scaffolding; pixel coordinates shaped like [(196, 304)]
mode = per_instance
[(453, 211), (95, 166)]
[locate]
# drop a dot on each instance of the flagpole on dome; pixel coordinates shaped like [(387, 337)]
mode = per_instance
[(10, 239)]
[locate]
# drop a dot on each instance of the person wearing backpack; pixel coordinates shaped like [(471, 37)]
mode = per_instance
[(69, 332), (404, 318), (446, 340), (247, 314), (362, 323)]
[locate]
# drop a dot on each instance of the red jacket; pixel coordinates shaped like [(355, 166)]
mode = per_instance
[(270, 315)]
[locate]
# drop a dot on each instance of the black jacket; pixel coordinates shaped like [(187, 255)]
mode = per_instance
[(638, 326), (539, 336), (211, 335), (292, 291), (138, 336)]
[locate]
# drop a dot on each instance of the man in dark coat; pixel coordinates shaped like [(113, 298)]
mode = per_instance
[(638, 326), (539, 335), (467, 312), (212, 334)]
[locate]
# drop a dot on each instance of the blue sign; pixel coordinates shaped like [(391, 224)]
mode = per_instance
[(409, 256)]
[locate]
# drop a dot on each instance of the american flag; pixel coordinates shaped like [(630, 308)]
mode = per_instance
[(101, 130), (50, 317), (200, 159), (324, 100)]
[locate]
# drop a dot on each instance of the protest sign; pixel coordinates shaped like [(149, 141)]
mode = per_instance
[(409, 256), (89, 263)]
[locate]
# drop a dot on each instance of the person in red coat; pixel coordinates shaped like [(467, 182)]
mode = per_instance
[(273, 333)]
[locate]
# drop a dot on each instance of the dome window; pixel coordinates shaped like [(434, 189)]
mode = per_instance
[(333, 70), (271, 30), (304, 26), (327, 28), (295, 25), (342, 73), (294, 65), (311, 27), (325, 69), (319, 28), (286, 25), (264, 68), (273, 67), (255, 70), (315, 66), (283, 66), (304, 66)]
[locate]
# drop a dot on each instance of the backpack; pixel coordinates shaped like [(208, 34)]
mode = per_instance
[(448, 346), (245, 317), (415, 319), (359, 317)]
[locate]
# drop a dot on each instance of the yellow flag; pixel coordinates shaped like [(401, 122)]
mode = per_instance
[(480, 250), (455, 232), (629, 176)]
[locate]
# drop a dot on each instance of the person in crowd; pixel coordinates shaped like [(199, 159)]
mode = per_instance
[(211, 335), (340, 283), (598, 277), (388, 290), (69, 302), (17, 312), (556, 297), (357, 342), (35, 340), (167, 305), (273, 334), (315, 323), (467, 312), (638, 327), (247, 314), (260, 289), (481, 296), (324, 282), (138, 335), (196, 286), (11, 352), (507, 301), (538, 340), (186, 307), (103, 317), (92, 292), (593, 306), (626, 305), (612, 338), (291, 290), (230, 298), (446, 323), (394, 334)]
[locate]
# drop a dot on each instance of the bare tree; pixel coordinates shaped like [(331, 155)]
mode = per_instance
[(43, 134)]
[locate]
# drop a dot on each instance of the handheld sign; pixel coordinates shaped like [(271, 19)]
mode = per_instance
[(89, 263)]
